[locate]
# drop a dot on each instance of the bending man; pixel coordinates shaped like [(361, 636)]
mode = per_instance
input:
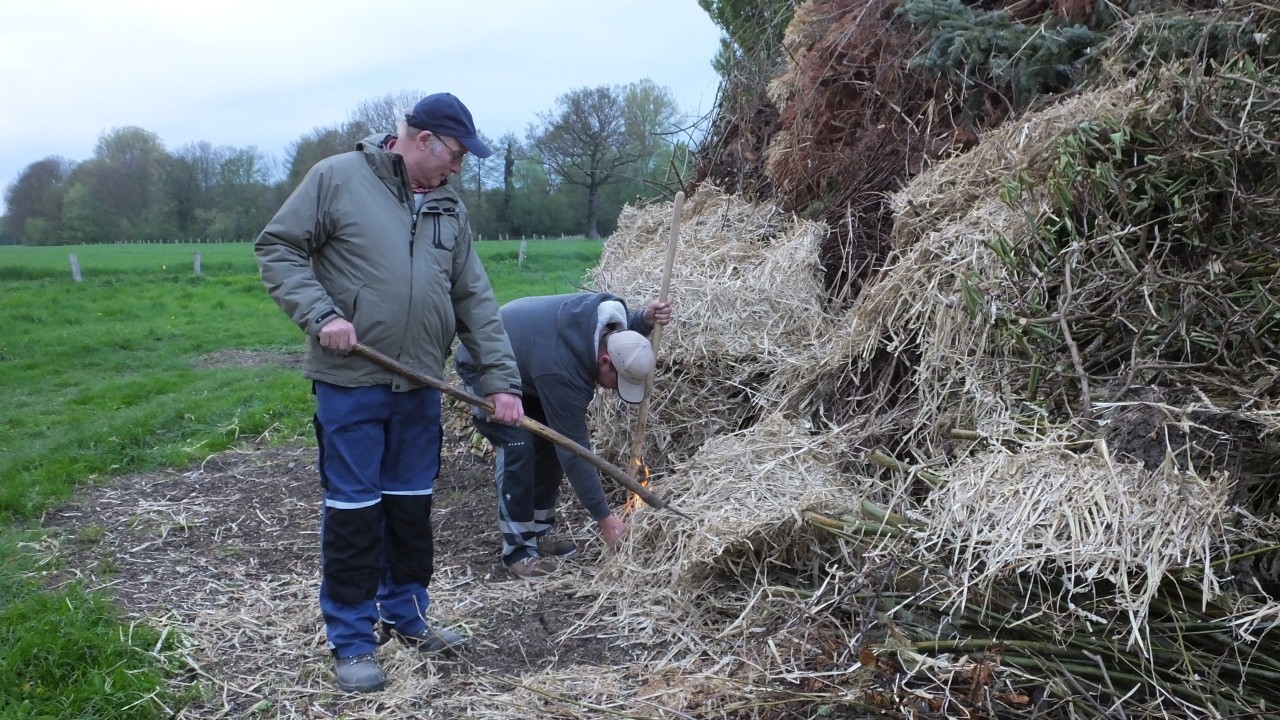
[(565, 346)]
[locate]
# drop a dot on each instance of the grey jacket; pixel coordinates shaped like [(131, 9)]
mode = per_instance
[(555, 338), (348, 242)]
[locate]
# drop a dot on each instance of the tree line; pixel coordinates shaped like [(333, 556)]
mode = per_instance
[(575, 168)]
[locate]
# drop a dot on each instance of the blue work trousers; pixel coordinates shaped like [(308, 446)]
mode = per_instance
[(379, 456)]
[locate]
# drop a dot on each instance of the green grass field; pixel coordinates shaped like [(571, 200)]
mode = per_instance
[(110, 376), (551, 266)]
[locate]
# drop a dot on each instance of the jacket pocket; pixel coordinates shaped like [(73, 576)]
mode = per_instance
[(370, 317), (444, 225), (348, 301)]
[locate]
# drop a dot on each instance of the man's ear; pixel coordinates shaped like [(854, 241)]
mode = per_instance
[(602, 364)]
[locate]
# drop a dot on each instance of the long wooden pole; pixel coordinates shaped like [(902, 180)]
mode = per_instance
[(655, 337), (533, 426)]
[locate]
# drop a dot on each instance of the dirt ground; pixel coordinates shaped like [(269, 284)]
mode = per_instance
[(226, 555)]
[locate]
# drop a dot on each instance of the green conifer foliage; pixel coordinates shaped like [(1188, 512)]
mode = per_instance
[(997, 60)]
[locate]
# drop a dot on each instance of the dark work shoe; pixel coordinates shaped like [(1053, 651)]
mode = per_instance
[(556, 547), (360, 674), (431, 640), (532, 567)]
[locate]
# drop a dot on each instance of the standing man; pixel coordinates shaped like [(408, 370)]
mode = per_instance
[(374, 247), (565, 346)]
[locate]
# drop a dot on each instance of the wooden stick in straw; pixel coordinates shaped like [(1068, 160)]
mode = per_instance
[(533, 426), (655, 337)]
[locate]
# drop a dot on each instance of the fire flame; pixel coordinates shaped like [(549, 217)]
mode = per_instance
[(642, 475)]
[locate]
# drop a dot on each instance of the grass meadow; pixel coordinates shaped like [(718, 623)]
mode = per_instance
[(111, 375)]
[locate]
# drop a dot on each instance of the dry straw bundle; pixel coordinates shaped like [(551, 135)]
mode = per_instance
[(749, 318), (1083, 517), (720, 597), (1020, 148), (747, 493)]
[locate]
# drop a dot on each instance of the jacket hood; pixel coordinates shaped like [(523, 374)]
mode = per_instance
[(389, 166), (581, 320)]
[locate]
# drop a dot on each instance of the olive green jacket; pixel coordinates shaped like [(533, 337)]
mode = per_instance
[(348, 242)]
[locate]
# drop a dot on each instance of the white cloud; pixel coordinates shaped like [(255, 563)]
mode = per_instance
[(264, 72)]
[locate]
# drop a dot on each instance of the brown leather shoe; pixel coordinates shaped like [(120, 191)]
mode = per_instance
[(532, 567), (556, 547)]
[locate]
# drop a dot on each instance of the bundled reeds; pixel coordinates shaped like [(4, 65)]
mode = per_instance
[(749, 319), (1048, 427)]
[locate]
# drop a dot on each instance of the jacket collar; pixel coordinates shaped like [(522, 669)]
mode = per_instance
[(389, 167)]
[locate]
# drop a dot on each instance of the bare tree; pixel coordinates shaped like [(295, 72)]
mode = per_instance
[(320, 143), (594, 135), (190, 178), (206, 163), (382, 114), (377, 115)]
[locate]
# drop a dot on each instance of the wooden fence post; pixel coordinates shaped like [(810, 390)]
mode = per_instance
[(522, 248), (196, 267), (75, 268)]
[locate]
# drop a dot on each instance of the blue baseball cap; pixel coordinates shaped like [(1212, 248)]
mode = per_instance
[(444, 114)]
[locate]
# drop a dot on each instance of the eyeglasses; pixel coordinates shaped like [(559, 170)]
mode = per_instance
[(455, 155)]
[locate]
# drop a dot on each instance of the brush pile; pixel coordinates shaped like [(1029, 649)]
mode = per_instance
[(1025, 463), (750, 323)]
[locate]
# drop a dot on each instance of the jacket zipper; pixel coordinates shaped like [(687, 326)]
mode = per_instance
[(413, 226), (409, 200)]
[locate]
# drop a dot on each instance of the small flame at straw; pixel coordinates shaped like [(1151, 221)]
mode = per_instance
[(642, 475)]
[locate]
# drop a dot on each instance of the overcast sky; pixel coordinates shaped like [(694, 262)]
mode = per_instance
[(264, 72)]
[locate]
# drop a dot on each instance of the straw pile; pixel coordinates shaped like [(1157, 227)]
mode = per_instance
[(932, 307), (747, 493), (1026, 521), (749, 320)]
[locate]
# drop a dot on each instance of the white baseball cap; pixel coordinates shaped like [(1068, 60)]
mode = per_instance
[(632, 356)]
